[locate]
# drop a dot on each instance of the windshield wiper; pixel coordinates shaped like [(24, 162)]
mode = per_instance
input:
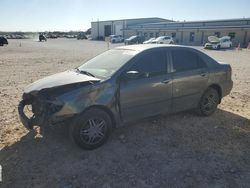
[(85, 72)]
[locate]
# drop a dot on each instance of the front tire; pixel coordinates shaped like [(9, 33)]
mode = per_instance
[(208, 102), (91, 129)]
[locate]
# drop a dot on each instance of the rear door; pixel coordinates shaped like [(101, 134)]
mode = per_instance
[(190, 77), (149, 94)]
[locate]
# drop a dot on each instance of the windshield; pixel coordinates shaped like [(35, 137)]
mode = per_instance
[(107, 63)]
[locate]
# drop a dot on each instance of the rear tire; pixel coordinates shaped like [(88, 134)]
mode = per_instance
[(91, 129), (208, 102)]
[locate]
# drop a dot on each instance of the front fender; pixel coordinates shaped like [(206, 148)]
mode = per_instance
[(78, 100)]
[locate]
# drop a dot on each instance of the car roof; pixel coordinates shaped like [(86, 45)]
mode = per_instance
[(142, 47)]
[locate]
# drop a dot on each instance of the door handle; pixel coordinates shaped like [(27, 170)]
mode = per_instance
[(166, 81)]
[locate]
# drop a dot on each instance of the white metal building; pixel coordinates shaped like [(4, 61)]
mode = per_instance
[(187, 33), (102, 29)]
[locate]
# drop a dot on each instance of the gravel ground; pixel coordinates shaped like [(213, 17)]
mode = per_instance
[(178, 150)]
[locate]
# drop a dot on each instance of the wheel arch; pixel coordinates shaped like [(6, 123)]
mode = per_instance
[(105, 109)]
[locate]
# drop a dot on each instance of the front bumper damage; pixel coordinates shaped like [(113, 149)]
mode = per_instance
[(55, 98), (43, 113), (211, 46), (26, 121)]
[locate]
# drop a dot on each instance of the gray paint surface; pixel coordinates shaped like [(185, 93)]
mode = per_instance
[(127, 100)]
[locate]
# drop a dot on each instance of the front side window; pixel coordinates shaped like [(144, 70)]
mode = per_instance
[(184, 60), (152, 64)]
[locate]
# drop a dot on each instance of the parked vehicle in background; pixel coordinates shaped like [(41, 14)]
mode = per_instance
[(218, 43), (70, 36), (81, 36), (126, 84), (116, 38), (42, 38), (3, 41), (19, 37), (51, 36), (7, 36), (163, 40), (134, 40), (149, 41)]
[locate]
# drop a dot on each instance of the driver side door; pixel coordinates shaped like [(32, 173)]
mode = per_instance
[(149, 93)]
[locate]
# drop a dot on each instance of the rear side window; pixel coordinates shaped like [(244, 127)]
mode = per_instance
[(152, 63), (184, 60)]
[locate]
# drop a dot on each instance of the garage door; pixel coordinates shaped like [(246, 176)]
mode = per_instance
[(118, 29)]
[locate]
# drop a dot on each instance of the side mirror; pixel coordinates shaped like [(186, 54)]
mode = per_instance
[(134, 75), (131, 75)]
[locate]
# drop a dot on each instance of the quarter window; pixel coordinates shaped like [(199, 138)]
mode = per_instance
[(152, 63), (186, 60)]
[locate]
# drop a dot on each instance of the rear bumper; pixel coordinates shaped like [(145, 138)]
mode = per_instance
[(227, 87)]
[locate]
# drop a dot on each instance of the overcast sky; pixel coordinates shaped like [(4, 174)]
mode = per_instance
[(65, 15)]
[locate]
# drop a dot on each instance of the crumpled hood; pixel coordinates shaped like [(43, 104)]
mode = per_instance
[(59, 79), (213, 39)]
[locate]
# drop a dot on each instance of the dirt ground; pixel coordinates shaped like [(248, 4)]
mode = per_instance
[(178, 150)]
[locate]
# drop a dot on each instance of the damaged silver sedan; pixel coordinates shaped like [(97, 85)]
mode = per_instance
[(125, 84)]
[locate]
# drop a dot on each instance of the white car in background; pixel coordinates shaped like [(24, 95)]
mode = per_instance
[(116, 38), (163, 40), (218, 43), (149, 41)]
